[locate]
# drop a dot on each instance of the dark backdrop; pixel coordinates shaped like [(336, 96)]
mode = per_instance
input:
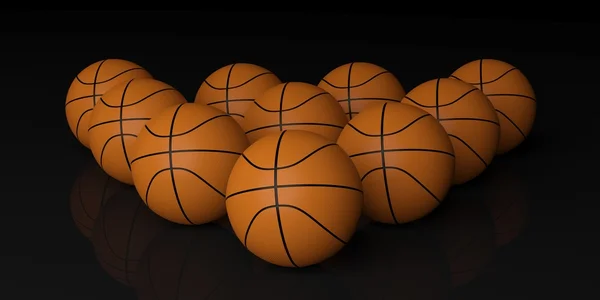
[(41, 158)]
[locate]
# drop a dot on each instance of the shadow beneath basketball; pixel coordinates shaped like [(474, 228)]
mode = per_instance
[(391, 262), (123, 230), (463, 230)]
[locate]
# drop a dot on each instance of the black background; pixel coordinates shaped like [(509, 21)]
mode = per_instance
[(43, 255)]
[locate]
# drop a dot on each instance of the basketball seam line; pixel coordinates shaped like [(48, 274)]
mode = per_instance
[(401, 150), (293, 124), (185, 132), (227, 88), (394, 132), (469, 119), (283, 186), (382, 155), (356, 85), (442, 105), (81, 98), (513, 95), (239, 85), (348, 90), (407, 173), (139, 101), (314, 152), (292, 108), (109, 79), (490, 81), (79, 121), (108, 140), (121, 124), (230, 100), (512, 122), (470, 148), (118, 120), (368, 98), (184, 151)]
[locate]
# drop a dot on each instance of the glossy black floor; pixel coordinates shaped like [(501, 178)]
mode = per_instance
[(525, 229)]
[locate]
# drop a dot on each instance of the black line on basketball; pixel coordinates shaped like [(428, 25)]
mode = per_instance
[(382, 154), (401, 150), (252, 222), (116, 121), (368, 99), (512, 122), (442, 105), (469, 119), (291, 108), (79, 121), (238, 115), (185, 151), (290, 165), (490, 81), (81, 98), (137, 102), (227, 88), (513, 95), (293, 124), (109, 79), (280, 112), (108, 140), (230, 100), (284, 186), (469, 147), (437, 99), (186, 132), (239, 85), (481, 74), (276, 196), (348, 90), (356, 85), (407, 173), (121, 124), (394, 132), (96, 80), (171, 165)]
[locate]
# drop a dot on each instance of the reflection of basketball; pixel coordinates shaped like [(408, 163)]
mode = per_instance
[(356, 85), (404, 157), (185, 263), (507, 197), (463, 230), (89, 85), (510, 93), (182, 159), (469, 119), (90, 192), (118, 117), (233, 88), (383, 260), (294, 106), (122, 232), (294, 198)]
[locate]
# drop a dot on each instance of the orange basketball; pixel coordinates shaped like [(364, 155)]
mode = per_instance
[(510, 93), (233, 88), (469, 119), (90, 192), (120, 115), (294, 106), (405, 160), (182, 160), (294, 198), (89, 85), (356, 85)]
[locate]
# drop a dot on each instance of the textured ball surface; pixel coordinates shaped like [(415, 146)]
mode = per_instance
[(405, 160), (469, 119), (358, 84), (510, 93), (233, 88), (182, 159), (294, 198), (294, 106), (118, 118), (89, 85)]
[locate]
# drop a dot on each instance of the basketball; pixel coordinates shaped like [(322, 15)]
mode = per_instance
[(182, 159), (294, 106), (119, 116), (90, 192), (510, 93), (405, 160), (469, 119), (233, 88), (356, 85), (294, 198), (89, 85), (123, 231)]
